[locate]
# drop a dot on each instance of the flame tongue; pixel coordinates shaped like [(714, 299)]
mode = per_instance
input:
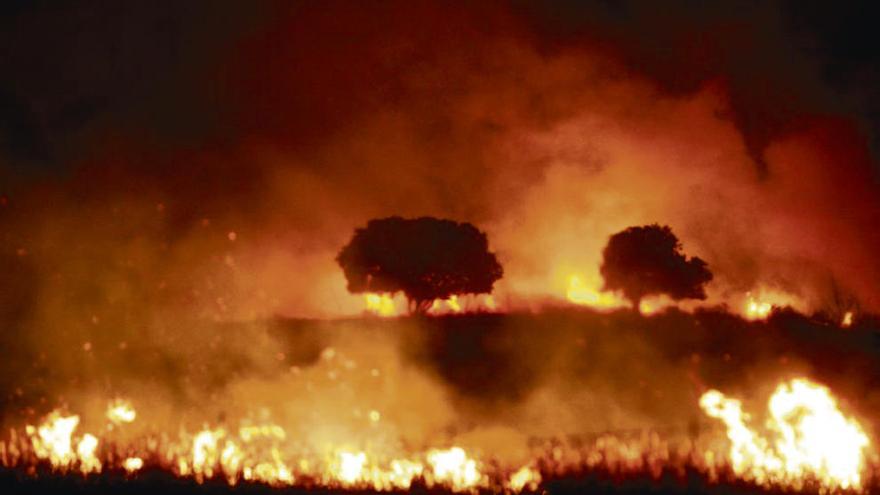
[(808, 437)]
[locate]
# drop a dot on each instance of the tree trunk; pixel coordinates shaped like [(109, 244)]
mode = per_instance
[(418, 306)]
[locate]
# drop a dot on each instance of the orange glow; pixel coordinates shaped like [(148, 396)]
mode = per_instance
[(380, 305), (52, 439), (133, 464), (350, 467), (807, 436), (120, 411), (453, 466), (585, 293), (847, 320), (85, 451), (525, 477), (758, 305), (757, 310)]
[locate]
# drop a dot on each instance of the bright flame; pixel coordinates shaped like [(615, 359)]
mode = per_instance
[(806, 439), (351, 466), (52, 439), (452, 303), (525, 477), (403, 471), (120, 411), (757, 310), (811, 438), (132, 464), (204, 452), (453, 466), (85, 450), (847, 320), (646, 308), (760, 304), (380, 304), (582, 293)]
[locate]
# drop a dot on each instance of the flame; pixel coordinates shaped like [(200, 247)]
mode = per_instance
[(132, 464), (452, 302), (85, 450), (647, 308), (204, 452), (847, 320), (587, 294), (757, 310), (809, 437), (120, 411), (759, 305), (380, 305), (525, 477), (806, 439), (386, 306), (350, 466), (52, 439), (455, 467)]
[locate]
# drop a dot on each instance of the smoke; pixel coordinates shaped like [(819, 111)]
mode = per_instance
[(155, 232)]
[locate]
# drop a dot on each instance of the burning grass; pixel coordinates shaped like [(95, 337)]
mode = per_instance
[(583, 401)]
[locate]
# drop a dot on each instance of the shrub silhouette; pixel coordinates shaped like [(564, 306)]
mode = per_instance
[(648, 260), (426, 258)]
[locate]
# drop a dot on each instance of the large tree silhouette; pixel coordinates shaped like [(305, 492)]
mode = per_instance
[(648, 260), (425, 258)]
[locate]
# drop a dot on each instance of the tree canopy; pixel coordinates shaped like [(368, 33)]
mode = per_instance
[(648, 260), (426, 258)]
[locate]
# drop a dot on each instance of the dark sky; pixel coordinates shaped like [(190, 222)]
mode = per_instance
[(189, 73)]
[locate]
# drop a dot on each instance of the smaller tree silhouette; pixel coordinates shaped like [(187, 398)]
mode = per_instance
[(648, 260), (426, 258)]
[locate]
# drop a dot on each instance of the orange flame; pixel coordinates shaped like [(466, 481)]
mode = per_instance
[(809, 436)]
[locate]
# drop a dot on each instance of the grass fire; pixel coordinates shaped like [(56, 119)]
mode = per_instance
[(421, 247)]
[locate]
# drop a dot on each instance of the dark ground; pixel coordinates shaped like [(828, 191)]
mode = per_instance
[(154, 483)]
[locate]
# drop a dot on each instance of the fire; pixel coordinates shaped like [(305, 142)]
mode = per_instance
[(808, 436), (85, 450), (525, 477), (52, 439), (587, 294), (757, 310), (455, 467), (759, 305), (120, 411), (647, 308), (386, 306), (380, 305), (806, 439), (450, 304), (351, 466), (132, 464), (403, 472), (847, 320), (204, 452)]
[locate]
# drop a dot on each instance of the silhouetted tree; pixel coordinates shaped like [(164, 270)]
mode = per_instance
[(648, 260), (426, 258)]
